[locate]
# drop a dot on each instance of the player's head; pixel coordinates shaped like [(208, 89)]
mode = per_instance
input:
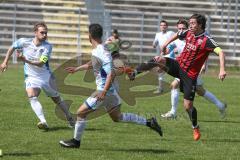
[(163, 26), (182, 24), (115, 33), (197, 23), (95, 32), (40, 29)]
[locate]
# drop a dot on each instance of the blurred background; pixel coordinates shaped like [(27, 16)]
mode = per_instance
[(136, 20)]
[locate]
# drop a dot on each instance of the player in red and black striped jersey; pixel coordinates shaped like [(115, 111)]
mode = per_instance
[(188, 65)]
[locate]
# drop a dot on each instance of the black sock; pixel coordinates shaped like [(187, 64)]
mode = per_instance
[(148, 123), (146, 66), (192, 112)]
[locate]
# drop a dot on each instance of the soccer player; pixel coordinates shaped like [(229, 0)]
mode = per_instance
[(188, 65), (176, 47), (36, 54), (113, 43), (105, 95), (160, 38)]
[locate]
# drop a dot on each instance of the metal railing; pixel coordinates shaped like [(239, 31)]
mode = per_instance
[(135, 26)]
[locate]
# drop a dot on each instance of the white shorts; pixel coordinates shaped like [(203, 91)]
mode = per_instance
[(112, 99), (199, 81), (48, 85)]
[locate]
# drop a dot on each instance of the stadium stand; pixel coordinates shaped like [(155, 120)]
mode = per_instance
[(171, 10), (136, 20), (62, 18)]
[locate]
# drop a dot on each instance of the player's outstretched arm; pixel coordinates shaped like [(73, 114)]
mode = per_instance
[(85, 66), (4, 65), (164, 46), (222, 72)]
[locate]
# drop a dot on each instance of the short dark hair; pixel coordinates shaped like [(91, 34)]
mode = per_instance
[(115, 31), (183, 21), (164, 21), (95, 30), (201, 20), (39, 24)]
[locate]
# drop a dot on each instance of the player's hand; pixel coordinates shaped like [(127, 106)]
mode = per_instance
[(101, 95), (222, 74), (3, 67), (164, 49), (71, 69), (21, 57), (125, 69)]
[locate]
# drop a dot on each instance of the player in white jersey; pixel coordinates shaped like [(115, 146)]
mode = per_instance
[(35, 53), (105, 95), (176, 48), (160, 38)]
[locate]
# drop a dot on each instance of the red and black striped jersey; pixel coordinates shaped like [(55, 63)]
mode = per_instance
[(195, 52)]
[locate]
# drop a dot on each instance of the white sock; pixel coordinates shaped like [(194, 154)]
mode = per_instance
[(160, 80), (212, 98), (37, 108), (174, 100), (130, 117), (65, 109), (79, 128)]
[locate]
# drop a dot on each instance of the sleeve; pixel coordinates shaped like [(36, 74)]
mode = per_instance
[(155, 42), (46, 53), (212, 46), (182, 34), (18, 44)]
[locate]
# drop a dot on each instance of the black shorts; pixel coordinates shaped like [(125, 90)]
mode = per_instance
[(187, 85)]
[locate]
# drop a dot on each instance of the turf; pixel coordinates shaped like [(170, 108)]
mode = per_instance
[(104, 139)]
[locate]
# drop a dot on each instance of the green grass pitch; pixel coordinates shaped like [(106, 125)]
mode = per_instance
[(106, 140)]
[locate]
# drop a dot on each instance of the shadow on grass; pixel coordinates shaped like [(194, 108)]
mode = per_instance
[(143, 150), (94, 129), (52, 129), (22, 154), (219, 121), (134, 150)]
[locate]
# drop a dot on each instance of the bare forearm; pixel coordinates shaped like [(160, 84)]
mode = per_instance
[(35, 63), (86, 66), (173, 38), (222, 60), (8, 55)]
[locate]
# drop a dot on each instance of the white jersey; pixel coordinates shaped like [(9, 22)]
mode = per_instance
[(177, 46), (161, 38), (33, 53), (102, 66), (180, 44)]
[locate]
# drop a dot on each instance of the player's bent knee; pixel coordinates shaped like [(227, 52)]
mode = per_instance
[(33, 99), (187, 104), (200, 90), (81, 114), (116, 119)]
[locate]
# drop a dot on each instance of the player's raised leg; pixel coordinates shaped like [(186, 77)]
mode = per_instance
[(117, 116)]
